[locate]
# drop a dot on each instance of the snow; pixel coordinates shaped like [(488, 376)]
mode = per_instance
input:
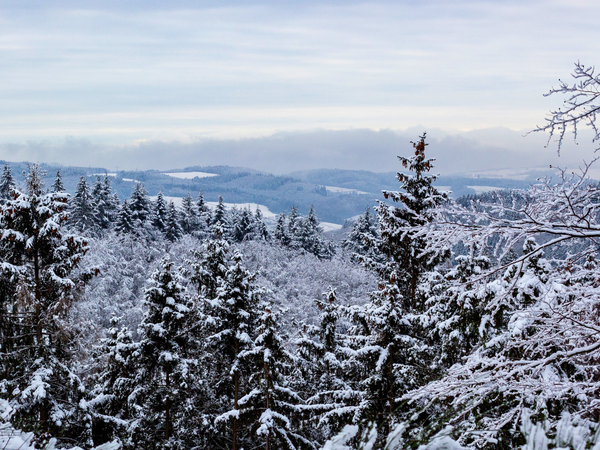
[(190, 175), (341, 190)]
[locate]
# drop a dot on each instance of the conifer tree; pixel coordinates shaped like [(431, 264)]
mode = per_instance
[(173, 230), (189, 215), (220, 214), (44, 391), (7, 184), (57, 185), (228, 305), (204, 216), (165, 373), (124, 224), (140, 205), (160, 215), (272, 406), (106, 209), (281, 233), (360, 240), (118, 362), (259, 228), (83, 212)]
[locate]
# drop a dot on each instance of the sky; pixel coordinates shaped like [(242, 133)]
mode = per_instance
[(287, 85)]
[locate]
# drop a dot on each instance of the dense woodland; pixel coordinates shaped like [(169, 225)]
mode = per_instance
[(435, 324)]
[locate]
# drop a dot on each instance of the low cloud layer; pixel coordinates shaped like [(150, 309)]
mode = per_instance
[(483, 150)]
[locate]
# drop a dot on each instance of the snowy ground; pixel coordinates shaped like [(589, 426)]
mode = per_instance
[(340, 190), (482, 189), (190, 175)]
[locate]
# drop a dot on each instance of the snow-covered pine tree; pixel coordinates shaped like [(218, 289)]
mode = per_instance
[(57, 185), (83, 215), (7, 184), (125, 224), (228, 310), (393, 357), (173, 229), (160, 213), (140, 205), (272, 408), (281, 230), (204, 216), (106, 209), (166, 366), (259, 228), (293, 228), (242, 225), (323, 354), (189, 215), (360, 239), (117, 362), (37, 254), (220, 214)]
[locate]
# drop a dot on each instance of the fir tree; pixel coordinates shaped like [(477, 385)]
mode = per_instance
[(140, 205), (164, 351), (361, 238), (189, 216), (204, 216), (173, 230), (83, 213), (45, 392), (7, 184), (58, 185), (124, 224), (160, 215), (281, 233), (106, 209), (220, 214), (259, 228), (272, 407)]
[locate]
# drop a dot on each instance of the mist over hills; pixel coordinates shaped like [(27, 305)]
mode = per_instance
[(336, 194)]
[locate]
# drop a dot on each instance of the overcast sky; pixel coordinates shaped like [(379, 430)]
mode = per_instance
[(284, 85)]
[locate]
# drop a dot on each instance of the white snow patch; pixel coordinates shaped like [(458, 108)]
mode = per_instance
[(190, 175), (341, 190), (328, 226)]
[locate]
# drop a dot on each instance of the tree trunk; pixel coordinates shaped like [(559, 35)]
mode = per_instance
[(38, 323)]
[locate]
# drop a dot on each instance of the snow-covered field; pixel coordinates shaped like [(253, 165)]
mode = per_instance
[(340, 190), (190, 175)]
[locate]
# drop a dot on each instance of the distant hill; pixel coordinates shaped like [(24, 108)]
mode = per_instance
[(335, 194)]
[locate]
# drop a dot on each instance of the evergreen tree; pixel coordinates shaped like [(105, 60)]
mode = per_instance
[(7, 184), (165, 373), (110, 399), (228, 305), (220, 214), (189, 216), (106, 209), (83, 212), (281, 233), (394, 358), (242, 225), (173, 230), (58, 185), (259, 228), (44, 390), (160, 215), (140, 205), (361, 239), (125, 224), (204, 216), (272, 406)]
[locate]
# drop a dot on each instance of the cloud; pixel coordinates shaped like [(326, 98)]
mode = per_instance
[(456, 153)]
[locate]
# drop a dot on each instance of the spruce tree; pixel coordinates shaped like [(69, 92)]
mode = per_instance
[(140, 205), (173, 230), (57, 185), (106, 209), (125, 224), (204, 216), (272, 407), (159, 218), (281, 233), (7, 184), (82, 208), (189, 215), (259, 228), (165, 373), (44, 391)]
